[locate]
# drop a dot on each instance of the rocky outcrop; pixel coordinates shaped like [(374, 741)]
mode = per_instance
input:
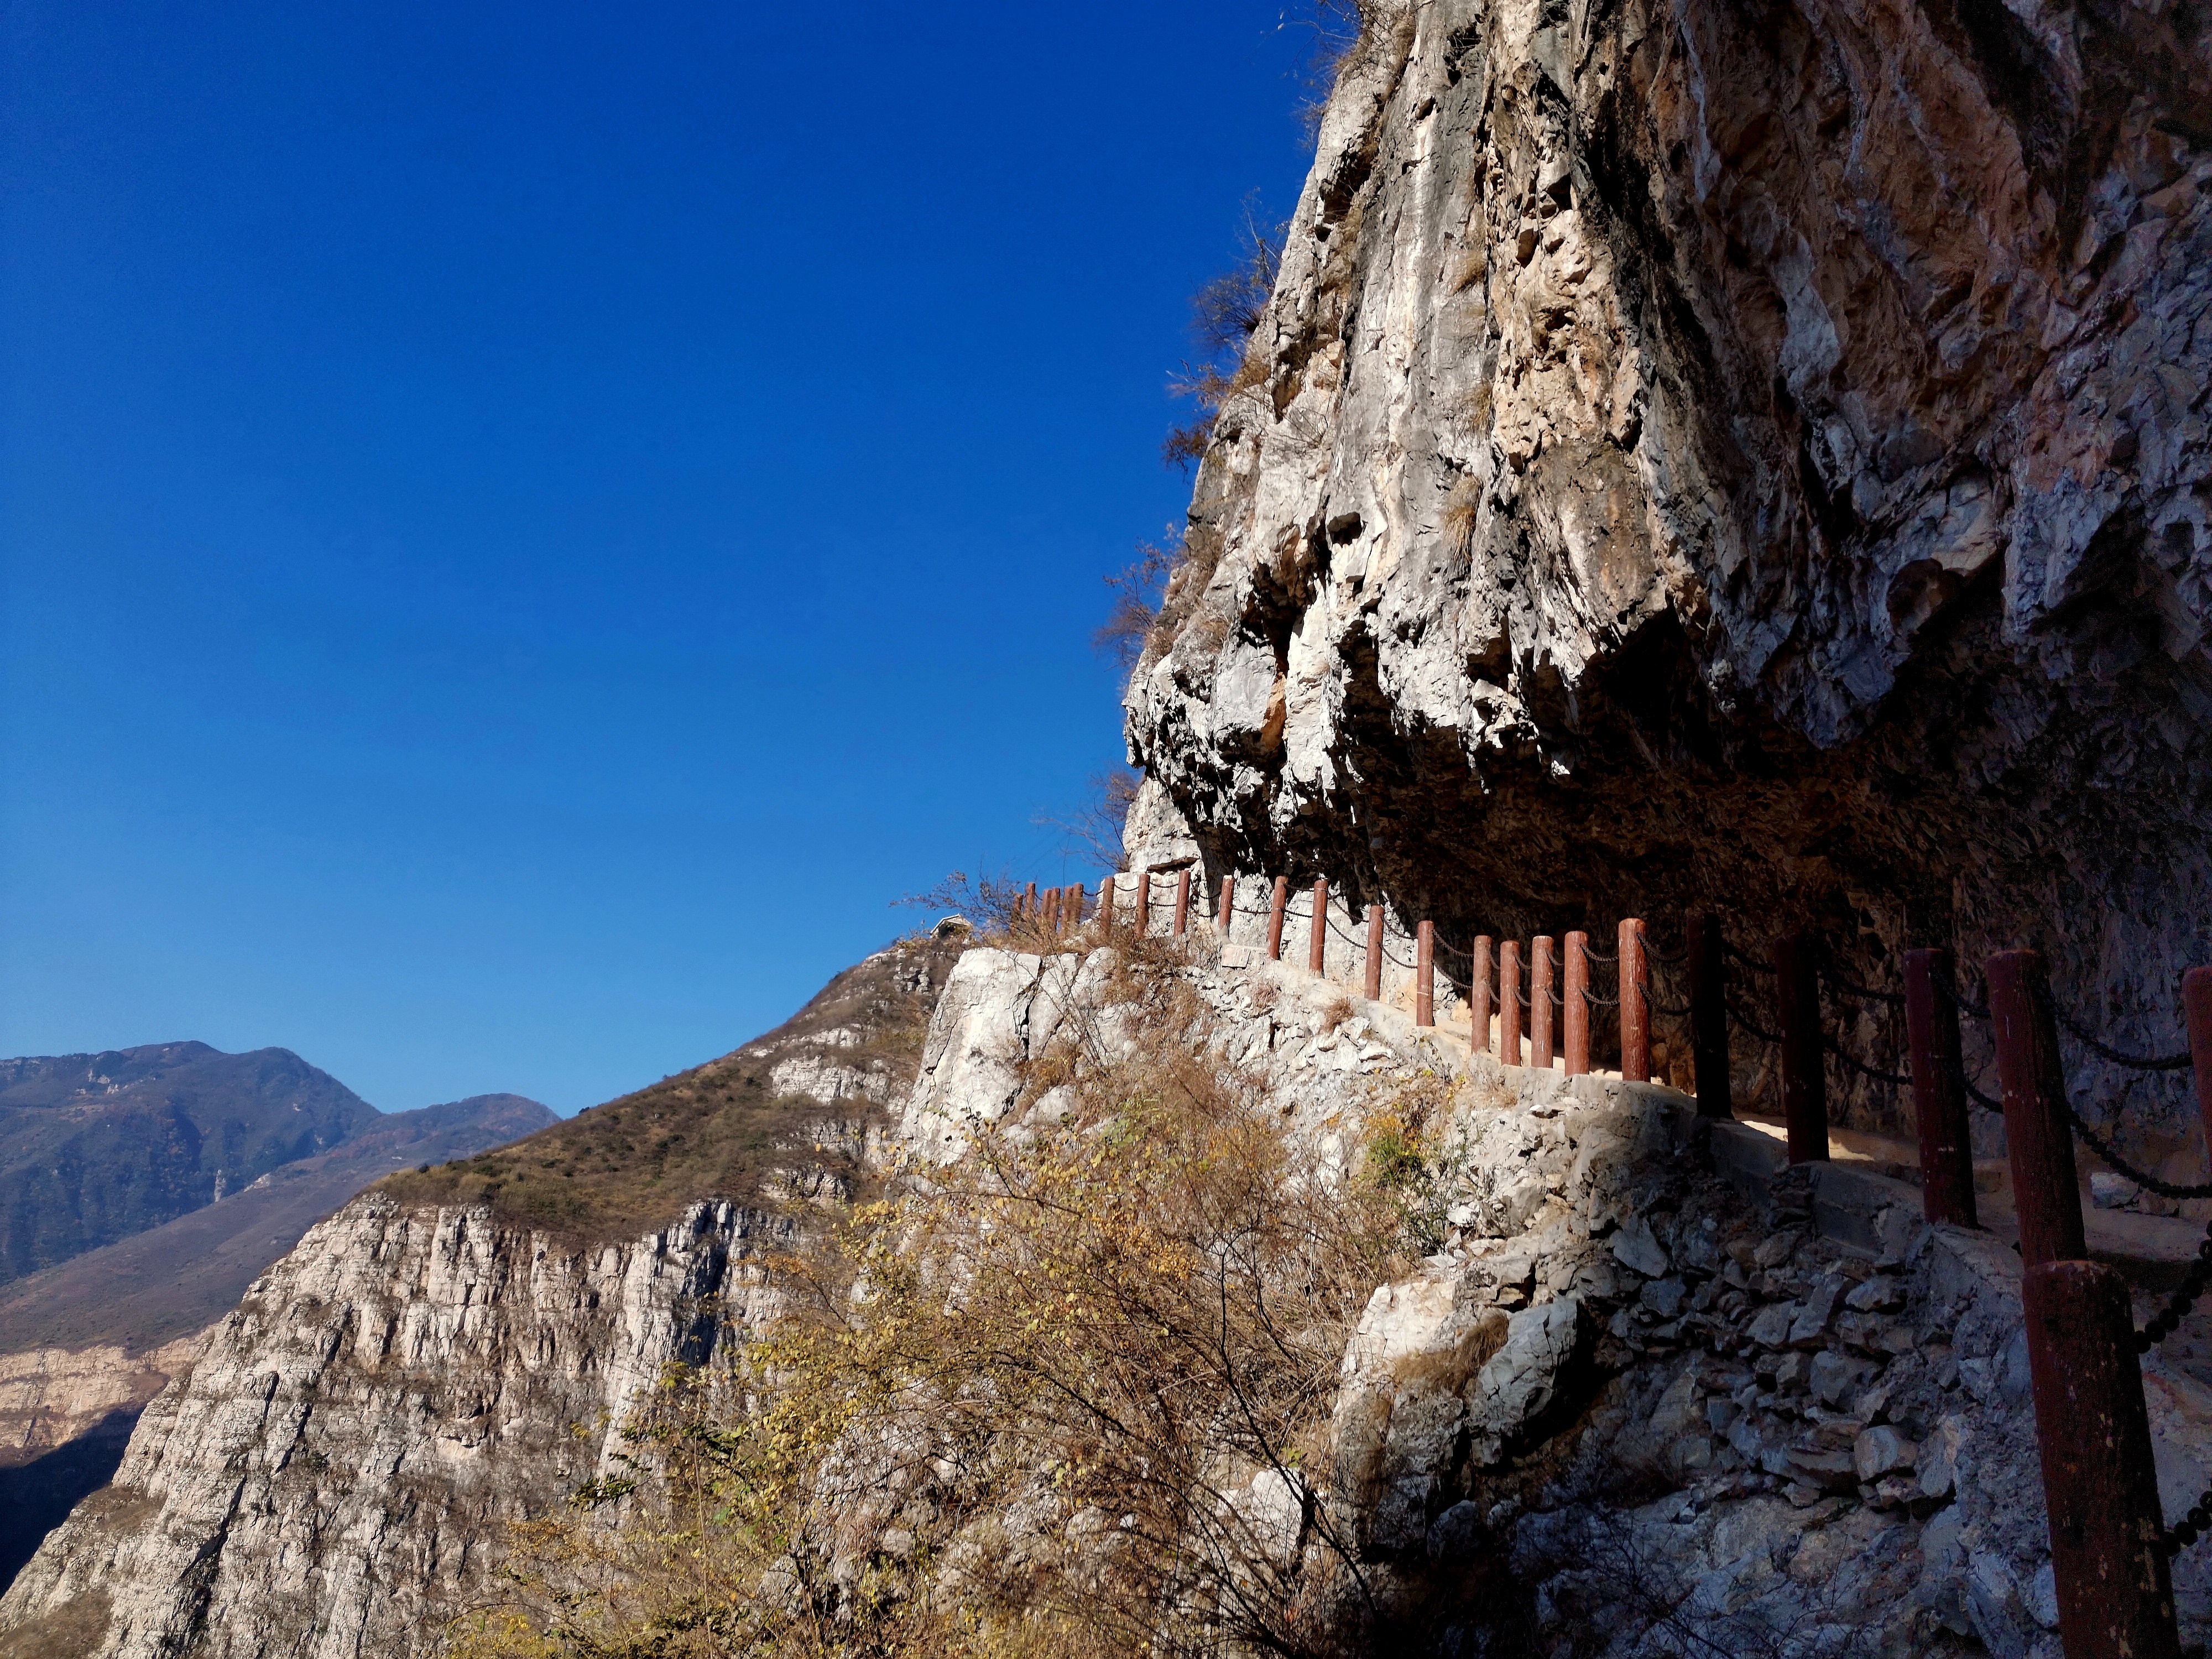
[(1648, 1387), (336, 1473), (1751, 458), (1654, 1391)]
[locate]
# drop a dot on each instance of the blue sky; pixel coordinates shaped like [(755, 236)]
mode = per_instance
[(523, 529)]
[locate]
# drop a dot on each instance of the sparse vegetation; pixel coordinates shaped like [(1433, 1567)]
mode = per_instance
[(1225, 313), (1068, 1396), (720, 1130)]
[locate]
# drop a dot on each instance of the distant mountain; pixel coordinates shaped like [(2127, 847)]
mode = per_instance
[(95, 1148), (172, 1280)]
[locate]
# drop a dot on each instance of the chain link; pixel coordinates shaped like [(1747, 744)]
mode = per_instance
[(2179, 1062), (1744, 960), (1952, 995), (1838, 983), (1746, 1021), (1889, 1078)]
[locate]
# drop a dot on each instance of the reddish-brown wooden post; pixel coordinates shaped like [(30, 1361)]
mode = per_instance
[(1478, 995), (1182, 901), (1316, 952), (1804, 1074), (1509, 1002), (1029, 901), (1709, 1038), (1635, 1007), (1275, 909), (1424, 978), (2038, 1141), (1374, 953), (1946, 1147), (1052, 910), (1540, 1002), (1144, 896), (1577, 1008), (2100, 1485), (1228, 906), (1106, 905), (2196, 1011), (1073, 910)]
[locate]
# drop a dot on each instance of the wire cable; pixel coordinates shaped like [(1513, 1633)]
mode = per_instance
[(1957, 998), (1836, 982), (1746, 1021), (1744, 960), (2180, 1063), (1864, 1070)]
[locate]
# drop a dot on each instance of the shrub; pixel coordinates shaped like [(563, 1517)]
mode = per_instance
[(1027, 1402)]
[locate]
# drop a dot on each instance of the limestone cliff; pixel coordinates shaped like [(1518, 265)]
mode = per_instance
[(1740, 456), (334, 1473)]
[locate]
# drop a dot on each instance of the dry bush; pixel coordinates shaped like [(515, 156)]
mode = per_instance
[(1093, 831), (1023, 1402), (1225, 313)]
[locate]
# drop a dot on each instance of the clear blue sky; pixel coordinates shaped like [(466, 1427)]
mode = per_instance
[(523, 528)]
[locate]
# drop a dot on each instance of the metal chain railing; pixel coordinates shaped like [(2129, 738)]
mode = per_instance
[(1891, 1079), (2179, 1062), (2168, 1319), (1749, 1024), (1845, 987), (1744, 961)]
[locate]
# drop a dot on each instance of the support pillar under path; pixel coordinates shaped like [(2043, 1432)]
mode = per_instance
[(1709, 1037), (1577, 1011), (1635, 1006), (1939, 1102), (1540, 1002), (1509, 1003), (2099, 1483), (2038, 1139), (1804, 1073), (1478, 995)]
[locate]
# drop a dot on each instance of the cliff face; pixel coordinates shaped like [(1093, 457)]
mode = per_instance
[(334, 1474), (1750, 456)]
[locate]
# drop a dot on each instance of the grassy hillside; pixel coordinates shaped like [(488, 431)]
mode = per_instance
[(798, 1102)]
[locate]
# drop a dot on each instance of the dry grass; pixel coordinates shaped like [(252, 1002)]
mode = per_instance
[(1025, 1402), (719, 1131)]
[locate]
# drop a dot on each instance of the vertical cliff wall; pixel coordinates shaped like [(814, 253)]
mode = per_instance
[(1736, 454), (335, 1473)]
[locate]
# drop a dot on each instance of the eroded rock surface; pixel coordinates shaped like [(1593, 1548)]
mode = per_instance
[(1753, 458)]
